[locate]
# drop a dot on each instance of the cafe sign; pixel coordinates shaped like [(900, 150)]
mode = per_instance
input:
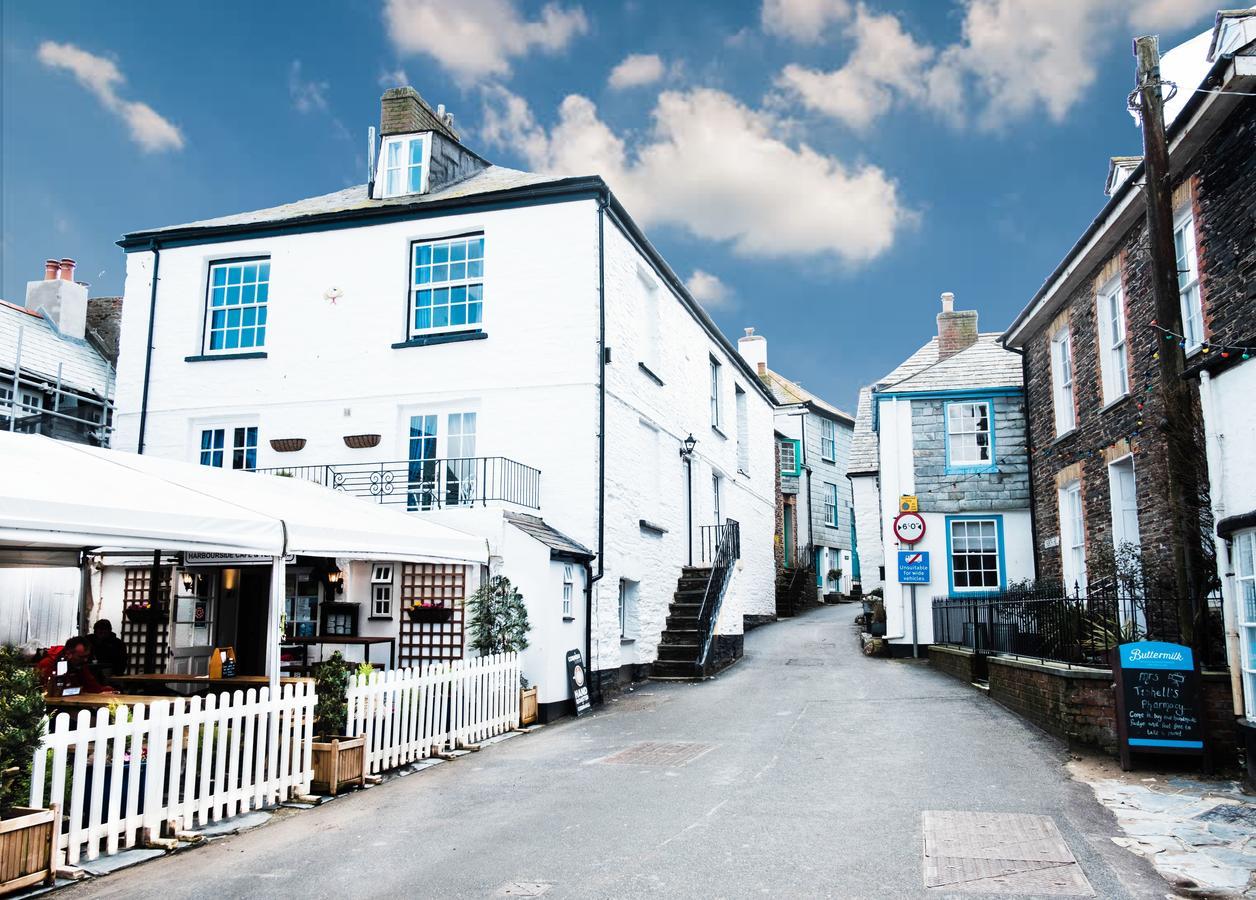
[(195, 558), (1157, 700)]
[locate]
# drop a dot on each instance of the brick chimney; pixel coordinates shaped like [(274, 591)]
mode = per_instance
[(754, 350), (956, 330), (403, 111), (61, 298)]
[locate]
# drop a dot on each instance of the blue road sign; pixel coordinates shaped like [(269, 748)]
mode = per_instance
[(913, 567)]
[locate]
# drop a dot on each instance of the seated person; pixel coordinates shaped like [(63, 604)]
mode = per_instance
[(109, 652), (77, 653)]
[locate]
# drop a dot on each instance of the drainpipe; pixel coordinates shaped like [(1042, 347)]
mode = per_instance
[(595, 689), (1213, 452), (602, 200), (148, 353)]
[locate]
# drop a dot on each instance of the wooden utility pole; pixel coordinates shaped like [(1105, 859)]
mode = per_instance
[(1178, 424)]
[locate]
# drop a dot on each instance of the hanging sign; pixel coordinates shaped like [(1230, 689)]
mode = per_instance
[(1157, 699), (578, 678), (909, 527)]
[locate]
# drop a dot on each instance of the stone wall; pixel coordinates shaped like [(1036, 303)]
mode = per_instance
[(954, 661), (1005, 488)]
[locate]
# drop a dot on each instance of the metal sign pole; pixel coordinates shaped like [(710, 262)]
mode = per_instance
[(915, 646)]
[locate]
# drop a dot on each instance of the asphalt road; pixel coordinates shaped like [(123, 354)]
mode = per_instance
[(820, 764)]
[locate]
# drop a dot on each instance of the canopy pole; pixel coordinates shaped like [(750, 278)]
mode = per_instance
[(278, 573), (85, 592)]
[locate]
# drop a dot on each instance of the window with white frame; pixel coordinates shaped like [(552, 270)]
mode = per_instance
[(1244, 560), (651, 327), (381, 591), (403, 165), (1124, 502), (969, 435), (743, 430), (1113, 356), (228, 446), (569, 589), (1062, 380), (974, 546), (447, 278), (460, 459), (717, 488), (1073, 537), (239, 294), (828, 440), (1188, 279), (627, 608), (830, 504), (789, 457), (715, 393)]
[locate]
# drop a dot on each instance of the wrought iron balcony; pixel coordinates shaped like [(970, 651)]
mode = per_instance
[(428, 483)]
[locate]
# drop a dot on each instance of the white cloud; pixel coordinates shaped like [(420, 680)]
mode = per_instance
[(307, 96), (475, 38), (886, 62), (637, 69), (802, 20), (1013, 57), (717, 168), (102, 77), (396, 78), (708, 290)]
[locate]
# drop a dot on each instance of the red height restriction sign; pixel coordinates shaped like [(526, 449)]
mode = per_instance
[(909, 527)]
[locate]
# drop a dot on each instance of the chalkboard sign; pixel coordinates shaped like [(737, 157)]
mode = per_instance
[(578, 678), (1157, 699)]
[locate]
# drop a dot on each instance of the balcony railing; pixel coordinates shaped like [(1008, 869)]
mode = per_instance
[(428, 483)]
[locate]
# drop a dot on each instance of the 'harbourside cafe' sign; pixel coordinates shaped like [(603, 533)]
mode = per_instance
[(1157, 700)]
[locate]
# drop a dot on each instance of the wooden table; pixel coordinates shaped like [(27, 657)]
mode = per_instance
[(363, 641), (96, 701), (180, 678)]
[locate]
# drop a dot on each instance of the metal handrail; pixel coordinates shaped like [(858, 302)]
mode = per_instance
[(426, 484), (727, 551)]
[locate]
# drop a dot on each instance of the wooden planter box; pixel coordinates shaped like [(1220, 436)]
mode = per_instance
[(151, 615), (527, 706), (338, 762), (26, 848), (430, 614)]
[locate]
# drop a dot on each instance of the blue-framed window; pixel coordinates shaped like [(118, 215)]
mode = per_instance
[(447, 284), (791, 457), (242, 452), (974, 553), (970, 436), (830, 504), (239, 291)]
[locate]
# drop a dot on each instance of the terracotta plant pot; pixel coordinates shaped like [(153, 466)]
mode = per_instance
[(26, 848), (361, 441), (430, 614), (287, 445)]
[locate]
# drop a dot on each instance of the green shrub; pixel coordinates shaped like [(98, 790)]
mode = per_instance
[(498, 618), (22, 718), (331, 680)]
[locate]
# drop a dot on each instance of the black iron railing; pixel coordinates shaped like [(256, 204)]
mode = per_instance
[(1074, 630), (428, 483), (725, 551)]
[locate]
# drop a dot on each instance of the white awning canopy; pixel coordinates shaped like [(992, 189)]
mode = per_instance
[(55, 495)]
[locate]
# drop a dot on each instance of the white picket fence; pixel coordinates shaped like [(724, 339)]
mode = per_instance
[(200, 760), (411, 714)]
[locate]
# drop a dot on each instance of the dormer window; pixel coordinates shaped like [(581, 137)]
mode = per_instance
[(403, 165)]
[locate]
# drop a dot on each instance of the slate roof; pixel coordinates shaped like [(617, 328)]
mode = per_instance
[(785, 391), (494, 178), (83, 369), (985, 364), (559, 543), (864, 447)]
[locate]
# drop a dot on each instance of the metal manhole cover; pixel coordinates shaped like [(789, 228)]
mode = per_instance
[(664, 754), (804, 661), (1003, 853)]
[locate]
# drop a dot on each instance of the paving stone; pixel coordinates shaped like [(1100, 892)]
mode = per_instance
[(1004, 853), (105, 864), (234, 824)]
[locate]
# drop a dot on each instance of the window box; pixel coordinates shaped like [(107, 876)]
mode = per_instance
[(430, 615), (361, 441), (287, 445), (146, 614)]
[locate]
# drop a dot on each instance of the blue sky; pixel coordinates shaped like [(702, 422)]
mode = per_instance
[(826, 167)]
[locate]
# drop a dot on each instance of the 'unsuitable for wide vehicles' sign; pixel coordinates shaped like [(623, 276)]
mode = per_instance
[(913, 567)]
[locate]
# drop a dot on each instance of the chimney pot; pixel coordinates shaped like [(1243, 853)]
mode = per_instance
[(948, 302), (67, 269), (957, 331), (51, 269)]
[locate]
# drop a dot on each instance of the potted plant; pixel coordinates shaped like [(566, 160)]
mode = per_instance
[(877, 627), (429, 613), (338, 760), (27, 836), (499, 624), (145, 611), (835, 579)]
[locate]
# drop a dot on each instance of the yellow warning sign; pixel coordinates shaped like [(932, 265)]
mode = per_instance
[(908, 503)]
